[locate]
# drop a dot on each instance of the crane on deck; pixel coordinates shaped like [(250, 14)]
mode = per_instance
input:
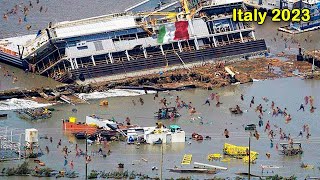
[(187, 13)]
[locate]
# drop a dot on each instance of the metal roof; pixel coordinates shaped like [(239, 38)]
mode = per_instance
[(78, 28)]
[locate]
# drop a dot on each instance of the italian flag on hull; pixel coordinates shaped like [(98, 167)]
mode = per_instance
[(176, 31)]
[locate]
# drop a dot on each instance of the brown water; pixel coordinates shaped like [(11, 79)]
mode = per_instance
[(287, 92)]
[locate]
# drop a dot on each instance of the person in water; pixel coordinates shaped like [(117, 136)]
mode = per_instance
[(207, 102), (288, 117), (192, 111), (241, 97), (226, 133), (252, 101), (301, 107), (306, 100), (128, 121)]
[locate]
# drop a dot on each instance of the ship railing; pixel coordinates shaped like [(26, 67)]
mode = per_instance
[(91, 20), (8, 51), (35, 44), (51, 64)]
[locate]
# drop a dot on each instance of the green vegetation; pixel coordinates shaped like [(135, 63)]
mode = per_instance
[(21, 170), (277, 177), (118, 175)]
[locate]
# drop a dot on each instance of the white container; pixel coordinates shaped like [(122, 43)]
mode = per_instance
[(31, 135)]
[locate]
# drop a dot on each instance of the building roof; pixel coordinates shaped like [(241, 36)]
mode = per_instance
[(99, 25), (174, 126)]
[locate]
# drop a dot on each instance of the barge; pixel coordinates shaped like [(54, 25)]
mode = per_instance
[(124, 44)]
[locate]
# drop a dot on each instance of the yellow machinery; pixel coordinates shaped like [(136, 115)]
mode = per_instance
[(214, 157), (240, 152), (187, 158), (186, 14), (168, 15), (104, 103)]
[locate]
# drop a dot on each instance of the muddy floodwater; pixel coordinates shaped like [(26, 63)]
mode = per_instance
[(288, 92)]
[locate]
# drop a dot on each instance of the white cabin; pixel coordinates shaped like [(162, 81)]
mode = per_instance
[(102, 123), (172, 135)]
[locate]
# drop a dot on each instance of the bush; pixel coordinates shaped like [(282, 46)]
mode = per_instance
[(277, 177), (45, 172), (11, 171), (23, 169), (93, 175)]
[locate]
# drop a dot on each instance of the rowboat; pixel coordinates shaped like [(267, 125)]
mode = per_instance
[(194, 170), (3, 116)]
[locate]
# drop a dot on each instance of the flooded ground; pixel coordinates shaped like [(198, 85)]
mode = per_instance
[(287, 93)]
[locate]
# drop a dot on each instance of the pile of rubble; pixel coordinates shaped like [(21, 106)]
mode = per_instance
[(263, 68), (204, 76)]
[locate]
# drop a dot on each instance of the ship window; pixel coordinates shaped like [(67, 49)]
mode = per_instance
[(82, 47)]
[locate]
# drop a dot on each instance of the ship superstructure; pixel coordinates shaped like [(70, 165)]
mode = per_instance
[(293, 27), (127, 42), (314, 23)]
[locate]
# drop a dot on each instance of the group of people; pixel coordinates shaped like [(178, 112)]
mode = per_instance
[(68, 149), (276, 111), (25, 10), (7, 74)]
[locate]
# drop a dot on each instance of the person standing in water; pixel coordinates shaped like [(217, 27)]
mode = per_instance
[(226, 133), (241, 97), (301, 107), (252, 101), (306, 100), (207, 102)]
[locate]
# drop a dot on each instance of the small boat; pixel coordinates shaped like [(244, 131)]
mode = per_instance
[(197, 137), (80, 135), (194, 170), (167, 113), (159, 141), (235, 111), (250, 127), (79, 127), (34, 114), (3, 116)]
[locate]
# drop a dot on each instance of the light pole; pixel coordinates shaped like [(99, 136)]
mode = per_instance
[(314, 56), (161, 161), (86, 155), (249, 168)]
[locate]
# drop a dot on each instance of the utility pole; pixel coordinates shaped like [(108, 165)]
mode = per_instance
[(161, 162), (249, 169), (314, 56), (86, 156)]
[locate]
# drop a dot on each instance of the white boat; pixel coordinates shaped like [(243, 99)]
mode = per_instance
[(100, 122)]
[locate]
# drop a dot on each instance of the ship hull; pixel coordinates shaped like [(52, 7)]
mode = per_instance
[(215, 53)]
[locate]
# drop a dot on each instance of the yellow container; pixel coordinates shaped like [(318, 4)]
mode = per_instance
[(72, 119)]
